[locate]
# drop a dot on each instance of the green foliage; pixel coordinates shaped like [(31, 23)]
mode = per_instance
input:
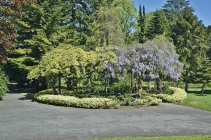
[(179, 95), (8, 35), (158, 25), (141, 24), (18, 65), (174, 8), (204, 73), (107, 30), (128, 19), (189, 36), (3, 84), (167, 90), (93, 103), (113, 90), (71, 62)]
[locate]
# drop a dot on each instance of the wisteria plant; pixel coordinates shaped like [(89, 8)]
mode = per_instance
[(153, 60)]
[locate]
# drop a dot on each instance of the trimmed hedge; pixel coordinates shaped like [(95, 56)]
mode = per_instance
[(179, 95), (71, 101)]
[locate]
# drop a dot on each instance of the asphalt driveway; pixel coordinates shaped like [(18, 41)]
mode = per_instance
[(23, 119)]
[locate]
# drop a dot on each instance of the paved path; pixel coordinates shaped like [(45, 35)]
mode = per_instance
[(22, 119)]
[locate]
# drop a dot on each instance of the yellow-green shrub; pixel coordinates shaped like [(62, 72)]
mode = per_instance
[(76, 102), (179, 95), (148, 100)]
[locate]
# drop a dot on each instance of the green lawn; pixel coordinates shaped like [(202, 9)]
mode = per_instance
[(195, 100), (161, 138)]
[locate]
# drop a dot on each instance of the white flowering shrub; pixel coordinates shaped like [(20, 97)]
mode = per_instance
[(71, 101), (179, 95)]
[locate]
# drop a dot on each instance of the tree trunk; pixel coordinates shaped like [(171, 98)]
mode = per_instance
[(186, 81), (89, 81), (60, 83), (138, 89), (203, 87), (149, 85), (158, 85), (131, 81), (44, 83), (54, 84), (69, 84), (186, 86)]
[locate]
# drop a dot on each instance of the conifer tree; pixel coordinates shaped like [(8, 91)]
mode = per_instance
[(158, 25), (173, 9), (189, 36), (141, 24), (40, 29), (204, 73), (9, 10)]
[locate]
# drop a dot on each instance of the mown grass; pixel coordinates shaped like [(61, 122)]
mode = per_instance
[(195, 99), (161, 138)]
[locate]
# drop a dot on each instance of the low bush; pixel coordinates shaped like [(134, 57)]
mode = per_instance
[(178, 95), (71, 101), (3, 84), (147, 100), (115, 89)]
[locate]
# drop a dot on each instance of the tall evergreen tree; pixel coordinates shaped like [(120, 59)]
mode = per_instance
[(141, 24), (41, 28), (9, 10), (158, 25), (204, 73), (189, 36), (173, 9)]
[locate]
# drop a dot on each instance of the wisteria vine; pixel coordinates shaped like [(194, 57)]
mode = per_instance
[(150, 61)]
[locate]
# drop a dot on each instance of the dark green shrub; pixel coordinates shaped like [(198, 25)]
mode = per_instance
[(112, 90), (44, 92), (167, 90)]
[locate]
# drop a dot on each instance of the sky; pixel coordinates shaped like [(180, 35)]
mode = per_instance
[(202, 8)]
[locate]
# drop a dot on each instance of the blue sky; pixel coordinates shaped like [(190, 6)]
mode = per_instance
[(202, 8)]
